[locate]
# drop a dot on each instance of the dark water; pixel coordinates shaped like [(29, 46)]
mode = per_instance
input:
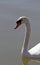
[(11, 40)]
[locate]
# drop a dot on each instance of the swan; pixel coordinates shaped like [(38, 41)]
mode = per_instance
[(34, 52)]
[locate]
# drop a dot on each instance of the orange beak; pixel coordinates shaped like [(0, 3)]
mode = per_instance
[(17, 25)]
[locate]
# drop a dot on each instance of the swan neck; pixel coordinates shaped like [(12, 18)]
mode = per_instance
[(27, 36)]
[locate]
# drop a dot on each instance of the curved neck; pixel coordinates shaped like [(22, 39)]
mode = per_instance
[(27, 36)]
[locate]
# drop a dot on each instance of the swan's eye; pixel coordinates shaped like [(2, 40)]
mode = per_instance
[(19, 21)]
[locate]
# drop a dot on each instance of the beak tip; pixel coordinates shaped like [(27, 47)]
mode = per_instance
[(15, 28)]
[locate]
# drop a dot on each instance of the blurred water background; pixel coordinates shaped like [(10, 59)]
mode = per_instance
[(11, 40)]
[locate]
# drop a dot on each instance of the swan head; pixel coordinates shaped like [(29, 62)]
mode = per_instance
[(21, 20)]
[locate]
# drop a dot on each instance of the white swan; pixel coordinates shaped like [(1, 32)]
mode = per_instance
[(33, 53)]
